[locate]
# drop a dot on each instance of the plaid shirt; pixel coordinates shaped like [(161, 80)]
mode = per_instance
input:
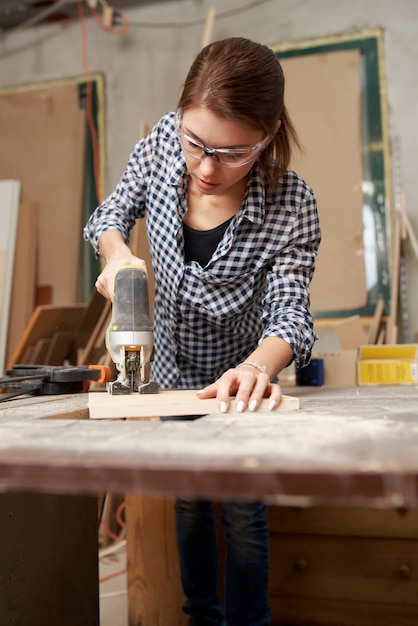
[(256, 284)]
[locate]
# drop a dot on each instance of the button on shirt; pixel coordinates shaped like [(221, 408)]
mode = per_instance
[(256, 284)]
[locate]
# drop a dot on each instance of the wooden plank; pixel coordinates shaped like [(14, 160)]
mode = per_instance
[(207, 33), (63, 347), (44, 322), (36, 354), (43, 409), (345, 446), (339, 282), (95, 347), (93, 312), (350, 333), (344, 521), (410, 232), (24, 275), (167, 402), (313, 611), (53, 176), (358, 569), (376, 322), (9, 208), (155, 595), (392, 322)]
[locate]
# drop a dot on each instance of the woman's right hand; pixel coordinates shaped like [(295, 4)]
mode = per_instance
[(114, 250), (105, 281)]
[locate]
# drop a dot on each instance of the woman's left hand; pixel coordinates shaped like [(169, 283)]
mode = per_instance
[(248, 385)]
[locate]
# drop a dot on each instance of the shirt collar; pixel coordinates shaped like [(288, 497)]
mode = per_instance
[(177, 171), (256, 194), (253, 207)]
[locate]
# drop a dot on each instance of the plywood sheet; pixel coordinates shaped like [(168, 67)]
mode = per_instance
[(323, 95), (42, 132), (9, 210), (350, 333), (167, 402), (22, 300), (43, 324)]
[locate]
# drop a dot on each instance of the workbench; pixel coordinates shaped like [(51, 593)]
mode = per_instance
[(344, 450)]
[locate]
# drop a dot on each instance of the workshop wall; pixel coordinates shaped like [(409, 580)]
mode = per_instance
[(144, 68)]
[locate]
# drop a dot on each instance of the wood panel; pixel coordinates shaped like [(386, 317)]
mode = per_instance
[(9, 207), (42, 129), (44, 323), (22, 301), (48, 565), (345, 521), (333, 566), (360, 569), (103, 405), (155, 595), (297, 611), (332, 120)]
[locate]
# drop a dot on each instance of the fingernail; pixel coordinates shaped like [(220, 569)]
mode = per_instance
[(200, 390), (272, 405), (253, 405), (223, 407), (240, 406)]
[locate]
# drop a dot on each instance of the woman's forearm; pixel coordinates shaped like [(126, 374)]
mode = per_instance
[(112, 245), (272, 353)]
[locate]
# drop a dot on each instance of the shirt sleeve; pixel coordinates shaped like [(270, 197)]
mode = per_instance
[(287, 299), (127, 202)]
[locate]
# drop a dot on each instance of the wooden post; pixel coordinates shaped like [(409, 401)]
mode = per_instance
[(376, 322), (155, 596), (207, 33), (392, 323)]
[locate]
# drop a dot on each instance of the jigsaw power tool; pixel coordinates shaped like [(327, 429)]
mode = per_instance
[(130, 337)]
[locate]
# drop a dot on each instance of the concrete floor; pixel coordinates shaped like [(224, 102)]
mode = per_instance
[(113, 585)]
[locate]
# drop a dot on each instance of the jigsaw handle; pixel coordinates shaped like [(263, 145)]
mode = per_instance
[(131, 302)]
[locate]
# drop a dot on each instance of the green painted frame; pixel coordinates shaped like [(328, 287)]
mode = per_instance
[(377, 187)]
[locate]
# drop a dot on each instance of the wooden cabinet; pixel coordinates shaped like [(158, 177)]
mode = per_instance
[(48, 564), (329, 566), (343, 567)]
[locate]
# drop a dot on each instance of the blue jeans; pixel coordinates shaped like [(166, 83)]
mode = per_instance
[(246, 565)]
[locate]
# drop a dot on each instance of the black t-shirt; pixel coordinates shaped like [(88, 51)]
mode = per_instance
[(199, 245)]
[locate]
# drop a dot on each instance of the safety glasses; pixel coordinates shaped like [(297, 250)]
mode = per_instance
[(231, 157)]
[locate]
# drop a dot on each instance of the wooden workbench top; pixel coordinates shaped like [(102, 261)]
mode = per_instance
[(344, 445)]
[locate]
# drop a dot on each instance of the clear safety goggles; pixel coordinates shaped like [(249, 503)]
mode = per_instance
[(231, 157)]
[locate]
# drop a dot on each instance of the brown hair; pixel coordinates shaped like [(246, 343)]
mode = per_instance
[(239, 79)]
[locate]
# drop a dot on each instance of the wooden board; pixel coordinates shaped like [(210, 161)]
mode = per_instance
[(376, 322), (155, 595), (9, 208), (350, 333), (43, 324), (342, 446), (22, 299), (42, 129), (332, 120), (167, 402)]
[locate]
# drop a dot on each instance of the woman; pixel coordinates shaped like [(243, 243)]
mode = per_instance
[(233, 235)]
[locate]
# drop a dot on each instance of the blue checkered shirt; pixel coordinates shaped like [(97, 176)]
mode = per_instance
[(256, 285)]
